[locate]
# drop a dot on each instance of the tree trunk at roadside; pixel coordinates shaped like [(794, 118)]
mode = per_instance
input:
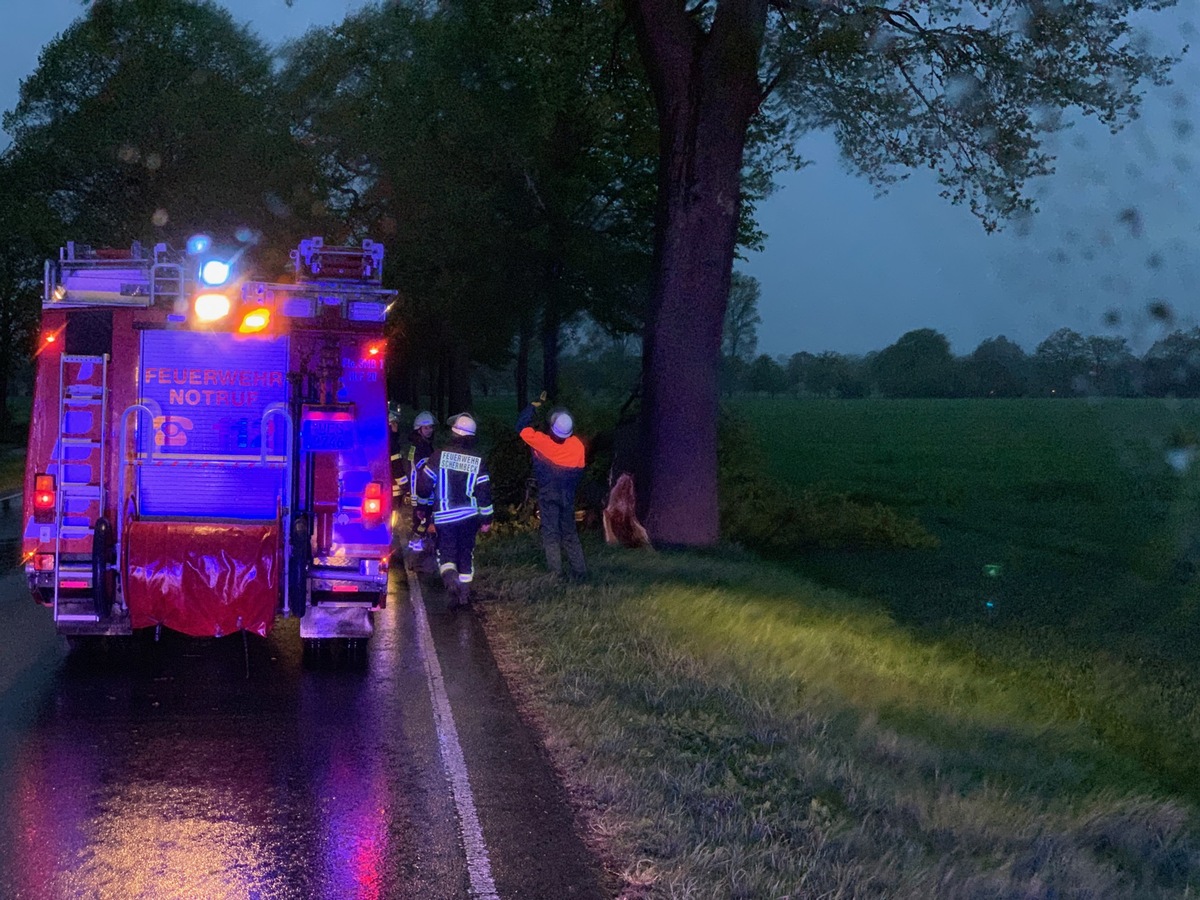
[(706, 91)]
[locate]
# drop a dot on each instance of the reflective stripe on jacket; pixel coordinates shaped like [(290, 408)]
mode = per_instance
[(457, 483)]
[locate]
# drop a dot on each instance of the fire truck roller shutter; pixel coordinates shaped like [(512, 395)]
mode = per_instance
[(212, 389)]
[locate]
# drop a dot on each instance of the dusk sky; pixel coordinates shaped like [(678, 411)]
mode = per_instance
[(846, 271)]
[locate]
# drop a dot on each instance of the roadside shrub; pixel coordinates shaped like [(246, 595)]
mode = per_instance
[(774, 519), (509, 466)]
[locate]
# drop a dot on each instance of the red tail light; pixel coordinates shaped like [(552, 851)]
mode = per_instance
[(44, 493), (372, 500)]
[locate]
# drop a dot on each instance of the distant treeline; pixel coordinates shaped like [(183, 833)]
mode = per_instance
[(921, 364)]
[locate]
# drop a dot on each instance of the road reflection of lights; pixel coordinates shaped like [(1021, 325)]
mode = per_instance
[(356, 833), (44, 822), (180, 835), (193, 806), (350, 784)]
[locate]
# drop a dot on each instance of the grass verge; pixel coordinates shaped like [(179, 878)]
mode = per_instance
[(734, 730)]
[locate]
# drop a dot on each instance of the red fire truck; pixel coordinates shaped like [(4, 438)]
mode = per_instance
[(207, 452)]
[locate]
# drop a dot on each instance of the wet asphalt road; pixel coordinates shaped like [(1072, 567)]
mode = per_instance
[(229, 769)]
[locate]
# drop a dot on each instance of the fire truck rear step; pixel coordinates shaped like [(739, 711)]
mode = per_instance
[(325, 621)]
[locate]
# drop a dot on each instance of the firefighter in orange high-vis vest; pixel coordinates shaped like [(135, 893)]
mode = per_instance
[(558, 461)]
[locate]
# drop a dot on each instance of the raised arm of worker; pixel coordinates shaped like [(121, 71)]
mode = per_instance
[(525, 419)]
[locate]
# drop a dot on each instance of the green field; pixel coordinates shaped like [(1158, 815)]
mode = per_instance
[(849, 723), (1096, 536)]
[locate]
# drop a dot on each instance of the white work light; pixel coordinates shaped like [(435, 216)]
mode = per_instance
[(215, 272), (211, 307)]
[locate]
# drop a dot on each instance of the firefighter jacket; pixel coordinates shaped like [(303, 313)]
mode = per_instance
[(456, 481), (400, 471), (557, 465), (419, 450)]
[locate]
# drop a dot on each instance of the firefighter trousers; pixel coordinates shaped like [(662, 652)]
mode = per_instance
[(456, 548), (556, 509)]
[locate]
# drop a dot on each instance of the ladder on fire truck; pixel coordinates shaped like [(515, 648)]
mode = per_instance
[(79, 455)]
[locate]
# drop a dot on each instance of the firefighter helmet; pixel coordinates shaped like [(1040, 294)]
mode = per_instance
[(562, 424), (462, 424), (423, 419)]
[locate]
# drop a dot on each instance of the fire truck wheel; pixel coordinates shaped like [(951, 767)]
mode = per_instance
[(101, 551)]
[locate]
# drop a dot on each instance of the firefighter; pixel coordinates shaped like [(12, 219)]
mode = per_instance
[(455, 480), (558, 462), (420, 447)]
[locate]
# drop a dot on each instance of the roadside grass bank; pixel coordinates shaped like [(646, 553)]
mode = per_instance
[(735, 730)]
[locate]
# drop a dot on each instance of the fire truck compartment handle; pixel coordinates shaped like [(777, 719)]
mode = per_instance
[(280, 409), (125, 460)]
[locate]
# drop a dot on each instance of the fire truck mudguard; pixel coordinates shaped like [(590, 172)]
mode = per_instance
[(203, 579)]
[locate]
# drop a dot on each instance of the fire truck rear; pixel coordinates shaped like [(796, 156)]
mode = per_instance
[(207, 452)]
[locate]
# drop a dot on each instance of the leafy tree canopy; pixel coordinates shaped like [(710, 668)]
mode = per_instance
[(154, 118), (966, 89), (506, 146)]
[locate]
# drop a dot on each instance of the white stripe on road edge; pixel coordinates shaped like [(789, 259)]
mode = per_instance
[(478, 867)]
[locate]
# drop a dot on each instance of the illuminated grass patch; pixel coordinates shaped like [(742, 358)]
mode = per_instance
[(744, 733)]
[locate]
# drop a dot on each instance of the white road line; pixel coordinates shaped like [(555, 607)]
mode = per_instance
[(478, 867)]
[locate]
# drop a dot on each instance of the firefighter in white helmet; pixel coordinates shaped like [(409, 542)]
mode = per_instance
[(455, 480), (558, 464), (420, 447)]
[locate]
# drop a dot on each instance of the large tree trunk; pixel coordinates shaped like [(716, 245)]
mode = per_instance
[(706, 90)]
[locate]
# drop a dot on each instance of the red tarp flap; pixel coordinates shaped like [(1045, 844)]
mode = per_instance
[(202, 579)]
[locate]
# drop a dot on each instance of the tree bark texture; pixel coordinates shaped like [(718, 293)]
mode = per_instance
[(706, 91)]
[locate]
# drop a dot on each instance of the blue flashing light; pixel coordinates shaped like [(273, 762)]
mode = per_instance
[(215, 272), (198, 243)]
